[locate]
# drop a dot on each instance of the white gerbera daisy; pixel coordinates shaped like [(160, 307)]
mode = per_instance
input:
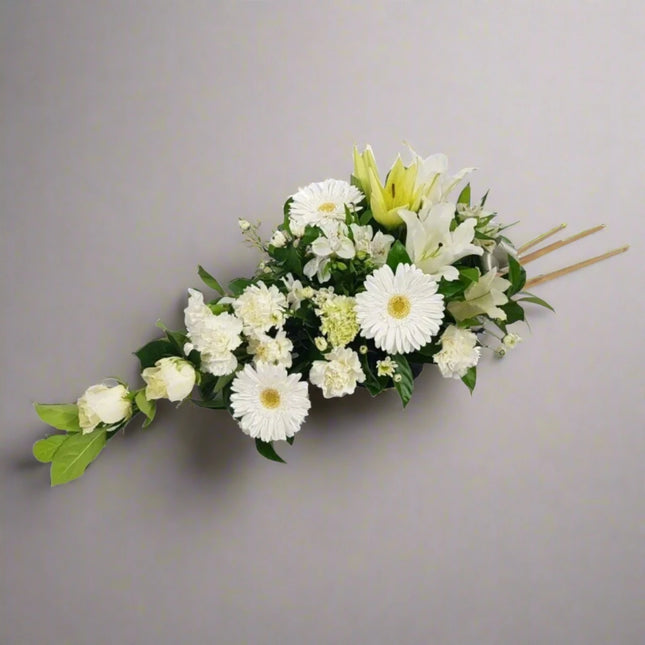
[(322, 201), (269, 403), (402, 311)]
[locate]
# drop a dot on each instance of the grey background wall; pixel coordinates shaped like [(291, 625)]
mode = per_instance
[(133, 136)]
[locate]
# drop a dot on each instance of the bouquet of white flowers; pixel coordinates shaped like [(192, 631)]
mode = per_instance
[(362, 284)]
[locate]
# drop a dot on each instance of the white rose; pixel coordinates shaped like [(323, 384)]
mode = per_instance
[(171, 378), (339, 374), (278, 239), (103, 404), (458, 352)]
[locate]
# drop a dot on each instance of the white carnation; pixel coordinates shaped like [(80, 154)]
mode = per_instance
[(260, 308), (103, 404), (339, 374), (459, 352), (275, 351), (215, 337), (171, 378)]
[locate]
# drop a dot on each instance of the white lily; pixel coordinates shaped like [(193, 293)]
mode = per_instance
[(482, 297), (430, 243)]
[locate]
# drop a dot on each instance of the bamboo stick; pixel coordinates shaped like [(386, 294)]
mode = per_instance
[(559, 244), (545, 277), (540, 238)]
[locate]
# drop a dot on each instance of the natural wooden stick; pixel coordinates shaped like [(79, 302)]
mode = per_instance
[(545, 277), (540, 238), (559, 244)]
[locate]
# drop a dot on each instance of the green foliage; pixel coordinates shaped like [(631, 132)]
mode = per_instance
[(514, 312), (265, 448), (405, 386), (470, 378), (535, 300), (397, 255), (209, 280), (213, 404), (62, 416), (464, 195), (45, 449), (150, 353), (372, 383), (516, 276), (75, 454), (365, 218), (148, 408), (237, 286)]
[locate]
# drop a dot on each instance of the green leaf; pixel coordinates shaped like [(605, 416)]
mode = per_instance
[(209, 280), (286, 210), (237, 286), (265, 448), (177, 340), (405, 386), (536, 301), (468, 275), (292, 262), (213, 404), (75, 454), (464, 195), (514, 312), (484, 198), (290, 440), (516, 276), (372, 382), (62, 416), (150, 353), (470, 378), (45, 449), (397, 255), (365, 218), (147, 407)]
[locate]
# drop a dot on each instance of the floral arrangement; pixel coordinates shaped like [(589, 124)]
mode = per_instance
[(361, 285)]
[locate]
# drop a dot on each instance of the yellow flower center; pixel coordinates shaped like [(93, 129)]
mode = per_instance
[(270, 398), (398, 306), (327, 207)]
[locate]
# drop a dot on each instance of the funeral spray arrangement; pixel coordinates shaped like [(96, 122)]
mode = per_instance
[(362, 284)]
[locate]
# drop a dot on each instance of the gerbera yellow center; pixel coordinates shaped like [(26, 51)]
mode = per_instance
[(327, 207), (398, 306), (270, 398)]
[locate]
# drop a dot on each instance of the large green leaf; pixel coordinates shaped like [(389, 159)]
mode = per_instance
[(265, 448), (45, 449), (514, 312), (209, 280), (75, 454), (237, 286), (405, 386), (150, 353), (516, 276), (397, 255), (62, 416), (212, 404)]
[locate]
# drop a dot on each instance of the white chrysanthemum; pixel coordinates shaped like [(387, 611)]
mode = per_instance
[(269, 403), (275, 351), (386, 367), (260, 307), (321, 201), (402, 311), (459, 352), (338, 374), (215, 337)]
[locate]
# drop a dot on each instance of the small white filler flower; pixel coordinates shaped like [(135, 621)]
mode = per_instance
[(402, 311), (269, 403)]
